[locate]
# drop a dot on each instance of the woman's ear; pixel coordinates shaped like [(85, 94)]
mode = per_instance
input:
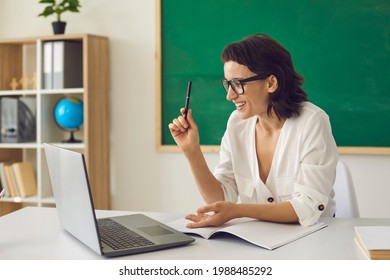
[(272, 83)]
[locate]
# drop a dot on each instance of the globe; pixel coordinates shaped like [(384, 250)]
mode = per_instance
[(68, 114)]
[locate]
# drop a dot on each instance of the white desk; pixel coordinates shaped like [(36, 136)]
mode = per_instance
[(35, 233)]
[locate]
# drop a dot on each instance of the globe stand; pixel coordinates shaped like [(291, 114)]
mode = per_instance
[(71, 138)]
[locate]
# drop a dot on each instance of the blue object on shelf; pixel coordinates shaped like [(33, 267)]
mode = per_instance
[(68, 114)]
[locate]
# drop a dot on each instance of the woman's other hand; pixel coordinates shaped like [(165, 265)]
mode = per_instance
[(214, 214)]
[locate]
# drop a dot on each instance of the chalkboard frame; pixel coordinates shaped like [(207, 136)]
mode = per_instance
[(215, 148)]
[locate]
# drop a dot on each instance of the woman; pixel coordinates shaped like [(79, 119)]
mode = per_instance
[(278, 156)]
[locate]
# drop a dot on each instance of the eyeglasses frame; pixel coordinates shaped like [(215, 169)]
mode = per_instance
[(242, 82)]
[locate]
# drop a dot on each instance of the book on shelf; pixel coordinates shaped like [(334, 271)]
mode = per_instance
[(14, 182), (18, 122), (62, 64), (18, 179), (3, 179), (25, 179), (9, 179), (374, 241), (267, 235)]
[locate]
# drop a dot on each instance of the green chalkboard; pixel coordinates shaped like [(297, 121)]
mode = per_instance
[(342, 48)]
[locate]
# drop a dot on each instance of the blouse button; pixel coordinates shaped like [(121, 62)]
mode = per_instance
[(321, 207), (270, 199)]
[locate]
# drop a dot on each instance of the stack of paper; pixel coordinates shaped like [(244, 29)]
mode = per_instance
[(374, 240)]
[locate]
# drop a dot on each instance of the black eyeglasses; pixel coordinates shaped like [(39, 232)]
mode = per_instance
[(238, 85)]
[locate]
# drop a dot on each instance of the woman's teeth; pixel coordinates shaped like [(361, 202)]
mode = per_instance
[(239, 105)]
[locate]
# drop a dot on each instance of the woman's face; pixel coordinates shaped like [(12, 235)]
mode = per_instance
[(255, 99)]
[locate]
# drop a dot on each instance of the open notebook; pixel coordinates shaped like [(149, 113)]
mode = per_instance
[(264, 234)]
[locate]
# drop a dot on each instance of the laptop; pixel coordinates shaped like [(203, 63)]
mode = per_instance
[(107, 236)]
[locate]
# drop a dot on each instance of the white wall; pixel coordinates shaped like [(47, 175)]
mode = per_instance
[(143, 179)]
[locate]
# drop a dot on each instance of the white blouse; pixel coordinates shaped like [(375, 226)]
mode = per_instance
[(303, 168)]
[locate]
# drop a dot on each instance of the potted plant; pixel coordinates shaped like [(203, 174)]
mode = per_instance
[(58, 8)]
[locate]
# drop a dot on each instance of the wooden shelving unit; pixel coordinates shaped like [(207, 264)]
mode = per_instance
[(22, 57)]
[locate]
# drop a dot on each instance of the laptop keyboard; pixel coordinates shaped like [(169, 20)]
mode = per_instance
[(119, 237)]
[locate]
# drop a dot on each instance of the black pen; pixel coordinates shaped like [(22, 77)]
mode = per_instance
[(187, 99)]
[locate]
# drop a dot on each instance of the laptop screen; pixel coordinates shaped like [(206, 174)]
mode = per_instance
[(72, 195)]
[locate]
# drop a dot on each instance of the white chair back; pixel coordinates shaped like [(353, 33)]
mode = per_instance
[(345, 196)]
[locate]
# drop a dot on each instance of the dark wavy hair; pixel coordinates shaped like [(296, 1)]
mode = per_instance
[(265, 56)]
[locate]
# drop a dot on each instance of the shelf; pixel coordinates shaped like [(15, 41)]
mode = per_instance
[(22, 74), (74, 146), (18, 145), (18, 92), (42, 91), (30, 199), (48, 200), (63, 91)]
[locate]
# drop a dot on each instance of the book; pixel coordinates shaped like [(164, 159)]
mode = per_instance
[(13, 180), (267, 235), (47, 82), (374, 241), (3, 178), (25, 179), (10, 180), (62, 64)]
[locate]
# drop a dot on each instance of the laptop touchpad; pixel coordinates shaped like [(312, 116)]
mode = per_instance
[(155, 230)]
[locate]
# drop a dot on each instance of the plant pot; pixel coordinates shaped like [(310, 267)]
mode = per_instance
[(59, 27)]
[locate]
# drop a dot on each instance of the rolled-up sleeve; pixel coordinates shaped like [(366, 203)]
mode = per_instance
[(316, 173)]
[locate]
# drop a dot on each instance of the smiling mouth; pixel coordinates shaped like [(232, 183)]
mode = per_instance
[(239, 105)]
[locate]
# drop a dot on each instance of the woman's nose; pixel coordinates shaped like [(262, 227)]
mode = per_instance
[(231, 94)]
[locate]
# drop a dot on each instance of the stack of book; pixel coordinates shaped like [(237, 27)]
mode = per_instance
[(374, 241), (18, 179)]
